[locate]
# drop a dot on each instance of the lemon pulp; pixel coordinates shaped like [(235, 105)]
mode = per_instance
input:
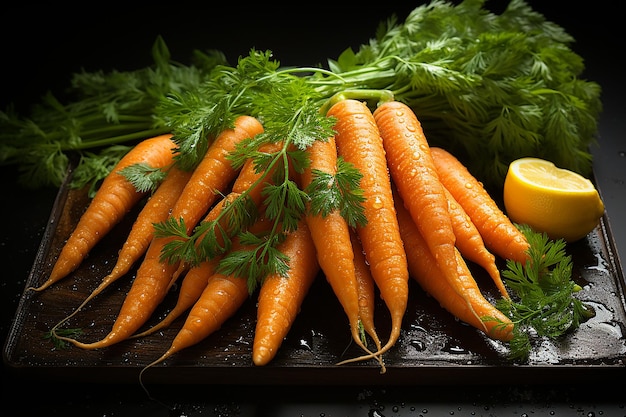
[(557, 201)]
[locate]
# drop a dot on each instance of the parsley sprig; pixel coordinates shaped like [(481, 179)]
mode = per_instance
[(544, 303)]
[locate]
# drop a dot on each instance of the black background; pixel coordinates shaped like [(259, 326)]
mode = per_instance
[(42, 45)]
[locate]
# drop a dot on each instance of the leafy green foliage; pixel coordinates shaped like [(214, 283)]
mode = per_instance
[(490, 88), (544, 304), (144, 177), (105, 110), (338, 192), (58, 342)]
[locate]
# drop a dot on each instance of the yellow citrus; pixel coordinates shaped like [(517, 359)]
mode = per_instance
[(557, 201)]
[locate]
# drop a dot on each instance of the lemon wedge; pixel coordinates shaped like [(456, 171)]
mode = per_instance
[(557, 201)]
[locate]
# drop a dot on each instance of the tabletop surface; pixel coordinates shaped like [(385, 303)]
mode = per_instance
[(109, 39)]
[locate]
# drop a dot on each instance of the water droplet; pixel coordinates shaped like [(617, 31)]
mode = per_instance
[(468, 185), (418, 345), (378, 203), (454, 349), (375, 413)]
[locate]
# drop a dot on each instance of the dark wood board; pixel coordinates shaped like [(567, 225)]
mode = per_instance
[(434, 347)]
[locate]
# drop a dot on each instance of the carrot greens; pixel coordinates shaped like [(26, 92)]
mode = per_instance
[(105, 115)]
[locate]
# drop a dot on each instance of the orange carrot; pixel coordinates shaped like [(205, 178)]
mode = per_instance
[(470, 243), (154, 277), (214, 173), (366, 290), (499, 233), (156, 209), (359, 143), (281, 297), (425, 270), (331, 235), (193, 284), (113, 200), (221, 298), (195, 279), (413, 171), (249, 184)]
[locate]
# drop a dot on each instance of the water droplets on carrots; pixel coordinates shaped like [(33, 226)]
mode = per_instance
[(378, 203)]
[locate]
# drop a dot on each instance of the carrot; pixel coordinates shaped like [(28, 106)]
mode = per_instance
[(331, 234), (426, 271), (359, 143), (214, 173), (221, 298), (195, 279), (413, 171), (156, 209), (366, 289), (499, 233), (113, 200), (470, 243), (154, 277), (280, 297), (193, 284)]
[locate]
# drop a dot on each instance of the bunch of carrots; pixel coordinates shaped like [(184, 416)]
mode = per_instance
[(423, 215)]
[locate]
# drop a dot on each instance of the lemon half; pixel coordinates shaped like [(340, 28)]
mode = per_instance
[(557, 201)]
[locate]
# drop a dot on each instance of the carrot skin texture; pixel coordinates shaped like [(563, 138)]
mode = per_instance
[(156, 210), (280, 298), (425, 270), (331, 235), (193, 284), (154, 277), (113, 200), (413, 171), (195, 279), (471, 245), (214, 173), (366, 289), (220, 299), (498, 232), (359, 142)]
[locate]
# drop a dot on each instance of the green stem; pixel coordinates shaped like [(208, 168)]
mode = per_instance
[(121, 138), (364, 94), (126, 127)]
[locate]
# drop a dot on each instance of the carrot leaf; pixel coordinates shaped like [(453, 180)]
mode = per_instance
[(257, 260), (338, 192), (544, 304), (144, 177), (100, 110), (59, 343)]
